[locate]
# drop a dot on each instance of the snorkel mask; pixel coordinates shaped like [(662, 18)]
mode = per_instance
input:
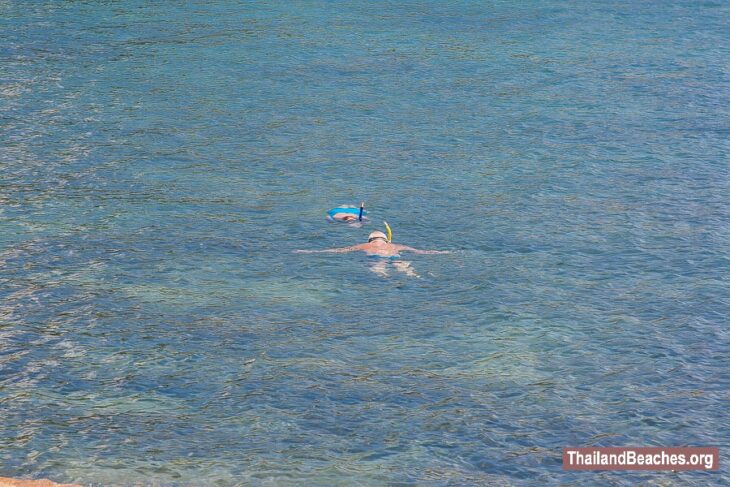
[(377, 235), (380, 235)]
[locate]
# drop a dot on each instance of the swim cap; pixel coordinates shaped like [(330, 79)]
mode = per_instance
[(377, 234)]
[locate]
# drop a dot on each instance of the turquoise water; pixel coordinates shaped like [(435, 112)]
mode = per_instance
[(160, 161)]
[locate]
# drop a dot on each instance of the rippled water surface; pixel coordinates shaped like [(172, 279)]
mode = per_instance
[(160, 161)]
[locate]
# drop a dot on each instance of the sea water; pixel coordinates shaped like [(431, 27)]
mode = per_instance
[(161, 161)]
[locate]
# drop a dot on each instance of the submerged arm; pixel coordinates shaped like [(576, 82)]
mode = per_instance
[(418, 251), (341, 250)]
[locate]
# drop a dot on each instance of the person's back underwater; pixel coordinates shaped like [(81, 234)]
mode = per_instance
[(379, 246)]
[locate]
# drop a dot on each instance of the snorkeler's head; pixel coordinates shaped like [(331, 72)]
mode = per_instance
[(377, 235)]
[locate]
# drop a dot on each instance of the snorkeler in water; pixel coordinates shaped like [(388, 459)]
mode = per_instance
[(377, 245), (344, 217), (347, 214), (380, 245)]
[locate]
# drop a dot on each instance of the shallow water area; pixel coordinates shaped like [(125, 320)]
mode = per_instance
[(160, 162)]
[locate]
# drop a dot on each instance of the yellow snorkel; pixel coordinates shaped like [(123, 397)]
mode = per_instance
[(388, 231)]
